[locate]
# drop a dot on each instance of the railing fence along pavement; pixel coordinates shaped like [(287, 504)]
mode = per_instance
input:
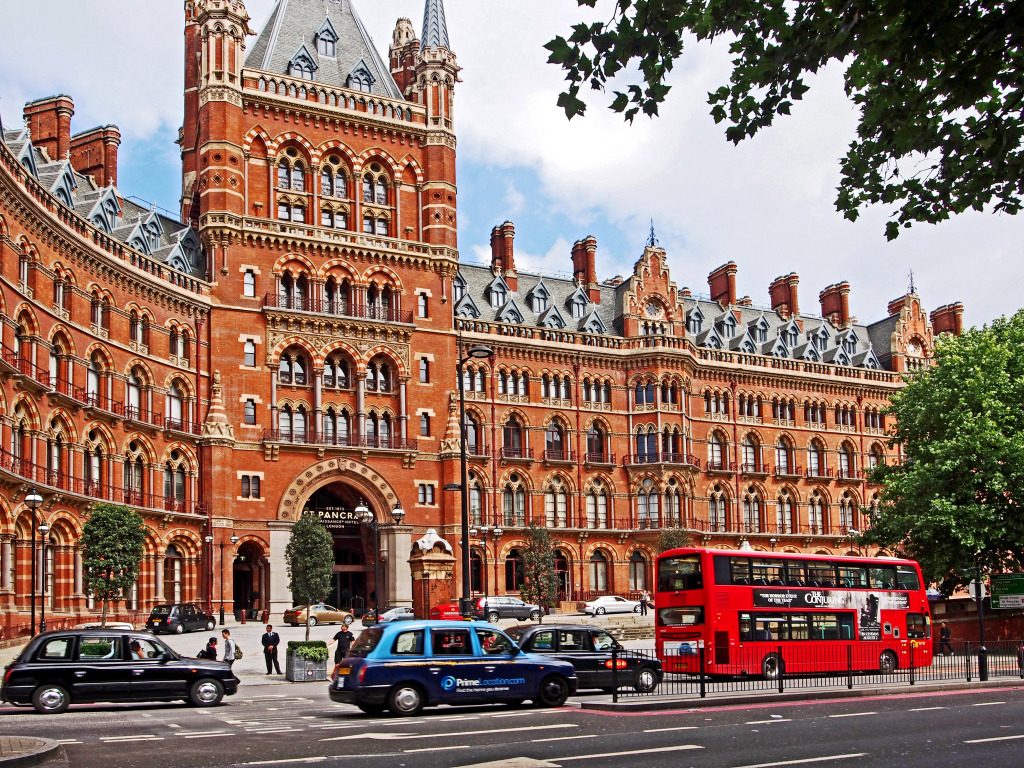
[(769, 667)]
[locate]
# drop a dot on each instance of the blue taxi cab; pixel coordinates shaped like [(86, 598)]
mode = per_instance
[(409, 665)]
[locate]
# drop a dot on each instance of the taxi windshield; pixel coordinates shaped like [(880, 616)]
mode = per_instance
[(162, 610), (366, 641)]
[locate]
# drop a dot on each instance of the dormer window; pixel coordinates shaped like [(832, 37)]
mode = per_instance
[(498, 295), (326, 39), (360, 78), (302, 65), (579, 307), (458, 288), (694, 322), (540, 302)]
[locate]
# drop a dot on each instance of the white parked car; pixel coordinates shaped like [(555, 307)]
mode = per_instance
[(608, 604)]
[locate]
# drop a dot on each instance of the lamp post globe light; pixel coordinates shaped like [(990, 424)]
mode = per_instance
[(479, 352), (367, 518), (33, 501)]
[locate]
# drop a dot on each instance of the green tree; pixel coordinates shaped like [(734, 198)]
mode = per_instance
[(540, 584), (310, 559), (673, 538), (956, 497), (113, 539), (939, 86)]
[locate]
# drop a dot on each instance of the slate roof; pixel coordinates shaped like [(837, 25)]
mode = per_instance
[(295, 23), (86, 197), (435, 30), (870, 345)]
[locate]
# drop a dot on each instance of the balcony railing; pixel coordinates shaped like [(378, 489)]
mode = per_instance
[(338, 307), (25, 367), (516, 453), (663, 457), (341, 441), (192, 428), (827, 472), (790, 471), (598, 457), (104, 403), (755, 468), (555, 454), (58, 480), (721, 466), (147, 417)]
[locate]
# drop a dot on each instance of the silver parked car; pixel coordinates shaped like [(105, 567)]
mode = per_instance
[(608, 604)]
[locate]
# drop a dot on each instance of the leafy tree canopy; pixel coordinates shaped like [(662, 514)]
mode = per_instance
[(673, 538), (113, 540), (540, 585), (939, 86), (956, 497), (310, 560)]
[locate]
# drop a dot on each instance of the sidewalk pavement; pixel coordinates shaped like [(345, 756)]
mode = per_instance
[(17, 751)]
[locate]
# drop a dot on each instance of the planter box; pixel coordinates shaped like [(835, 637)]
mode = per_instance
[(299, 670)]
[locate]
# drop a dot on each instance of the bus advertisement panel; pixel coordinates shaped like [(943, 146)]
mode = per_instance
[(769, 613)]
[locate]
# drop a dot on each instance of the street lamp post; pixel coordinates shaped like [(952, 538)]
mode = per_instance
[(367, 518), (33, 501), (477, 352), (43, 530), (980, 596), (773, 541), (483, 531), (234, 540), (854, 534)]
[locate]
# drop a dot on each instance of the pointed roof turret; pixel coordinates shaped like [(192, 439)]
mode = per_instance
[(435, 30)]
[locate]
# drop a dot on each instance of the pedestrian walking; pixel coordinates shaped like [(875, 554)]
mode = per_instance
[(270, 642), (645, 599), (343, 638), (229, 647), (944, 635)]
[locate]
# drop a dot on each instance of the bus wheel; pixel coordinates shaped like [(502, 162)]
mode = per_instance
[(772, 667), (887, 663)]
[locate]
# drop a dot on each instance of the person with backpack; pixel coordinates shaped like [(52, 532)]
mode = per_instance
[(210, 651), (229, 647)]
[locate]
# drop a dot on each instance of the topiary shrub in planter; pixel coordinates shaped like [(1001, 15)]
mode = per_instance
[(306, 661)]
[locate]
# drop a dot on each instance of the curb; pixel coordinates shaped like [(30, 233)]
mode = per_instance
[(29, 753), (726, 701)]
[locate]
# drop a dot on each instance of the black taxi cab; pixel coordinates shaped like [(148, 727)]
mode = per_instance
[(80, 666), (409, 665)]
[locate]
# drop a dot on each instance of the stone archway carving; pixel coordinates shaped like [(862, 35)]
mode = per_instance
[(376, 490)]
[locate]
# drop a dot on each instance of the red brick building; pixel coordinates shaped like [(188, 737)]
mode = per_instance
[(290, 344)]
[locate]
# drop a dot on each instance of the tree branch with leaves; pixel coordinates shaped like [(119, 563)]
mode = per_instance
[(310, 560), (113, 542)]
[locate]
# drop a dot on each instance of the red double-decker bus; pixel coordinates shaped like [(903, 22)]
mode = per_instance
[(770, 613)]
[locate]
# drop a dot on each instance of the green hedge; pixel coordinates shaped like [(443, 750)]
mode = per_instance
[(95, 650), (313, 650)]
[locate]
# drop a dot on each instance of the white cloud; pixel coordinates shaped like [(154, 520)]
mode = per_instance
[(767, 204)]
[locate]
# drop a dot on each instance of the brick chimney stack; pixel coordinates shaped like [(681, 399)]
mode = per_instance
[(835, 303), (584, 270), (783, 293), (95, 153), (948, 318), (49, 121), (503, 254), (722, 282)]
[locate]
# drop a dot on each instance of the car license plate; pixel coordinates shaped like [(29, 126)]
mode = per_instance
[(344, 670)]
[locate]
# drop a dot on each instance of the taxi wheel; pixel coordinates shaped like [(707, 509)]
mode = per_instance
[(311, 621), (554, 690), (210, 625), (405, 700), (371, 709), (205, 693), (179, 629), (646, 680), (492, 617), (50, 699)]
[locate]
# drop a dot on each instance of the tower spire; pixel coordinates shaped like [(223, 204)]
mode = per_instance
[(435, 30)]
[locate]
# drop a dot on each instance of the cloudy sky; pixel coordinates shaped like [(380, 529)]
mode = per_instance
[(767, 205)]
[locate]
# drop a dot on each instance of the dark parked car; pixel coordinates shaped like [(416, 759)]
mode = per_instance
[(398, 613), (589, 650), (88, 665), (178, 618), (493, 608)]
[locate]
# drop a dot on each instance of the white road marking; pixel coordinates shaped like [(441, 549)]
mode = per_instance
[(272, 730), (436, 749), (822, 759), (318, 759), (768, 722), (988, 703), (677, 728), (395, 736), (120, 739), (67, 741), (994, 738), (924, 709), (205, 735), (566, 738), (173, 725), (202, 733), (517, 714), (855, 714), (630, 752)]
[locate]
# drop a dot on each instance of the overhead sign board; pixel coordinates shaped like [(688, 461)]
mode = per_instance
[(1007, 590)]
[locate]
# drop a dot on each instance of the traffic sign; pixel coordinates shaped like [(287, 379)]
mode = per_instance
[(1008, 590), (973, 589)]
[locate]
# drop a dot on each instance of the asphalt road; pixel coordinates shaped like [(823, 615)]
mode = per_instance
[(282, 726)]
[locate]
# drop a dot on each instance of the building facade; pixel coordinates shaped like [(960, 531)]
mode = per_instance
[(289, 342)]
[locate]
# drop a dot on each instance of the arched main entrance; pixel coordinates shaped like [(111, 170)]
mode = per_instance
[(333, 490)]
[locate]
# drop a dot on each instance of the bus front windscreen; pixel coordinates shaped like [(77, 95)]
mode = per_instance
[(679, 573), (681, 616)]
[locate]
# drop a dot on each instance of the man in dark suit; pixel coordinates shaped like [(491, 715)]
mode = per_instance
[(270, 642)]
